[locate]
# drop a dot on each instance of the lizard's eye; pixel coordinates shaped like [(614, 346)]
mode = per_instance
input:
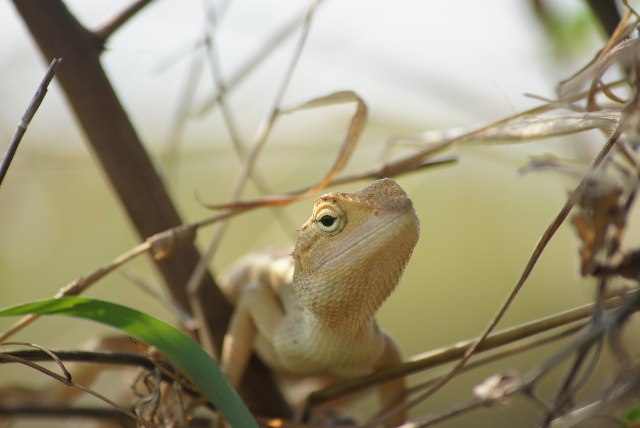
[(327, 220), (330, 221)]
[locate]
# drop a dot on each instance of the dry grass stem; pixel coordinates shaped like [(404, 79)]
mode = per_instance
[(72, 384), (449, 354), (27, 117)]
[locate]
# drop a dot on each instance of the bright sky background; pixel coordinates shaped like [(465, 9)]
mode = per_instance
[(426, 64)]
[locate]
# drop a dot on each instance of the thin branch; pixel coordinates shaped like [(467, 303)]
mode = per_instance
[(384, 170), (441, 416), (93, 357), (112, 26), (26, 118), (542, 243), (505, 354), (451, 353), (179, 122), (629, 306), (456, 410), (594, 333), (564, 394)]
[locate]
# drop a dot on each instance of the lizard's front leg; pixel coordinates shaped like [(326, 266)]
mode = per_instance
[(257, 311)]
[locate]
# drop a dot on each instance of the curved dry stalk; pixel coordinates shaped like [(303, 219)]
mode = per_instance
[(626, 47), (387, 169), (356, 127), (580, 78), (508, 128), (53, 356), (72, 384)]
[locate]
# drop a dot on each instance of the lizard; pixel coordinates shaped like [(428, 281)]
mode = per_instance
[(311, 312)]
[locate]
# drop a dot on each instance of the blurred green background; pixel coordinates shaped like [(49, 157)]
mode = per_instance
[(419, 65)]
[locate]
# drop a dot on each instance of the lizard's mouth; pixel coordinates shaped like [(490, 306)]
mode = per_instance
[(368, 238)]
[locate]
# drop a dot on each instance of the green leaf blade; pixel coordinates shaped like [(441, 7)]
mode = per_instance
[(173, 343)]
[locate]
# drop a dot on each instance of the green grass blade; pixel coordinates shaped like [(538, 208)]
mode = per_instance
[(173, 343)]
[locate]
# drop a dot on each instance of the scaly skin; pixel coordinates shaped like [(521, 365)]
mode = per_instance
[(349, 257)]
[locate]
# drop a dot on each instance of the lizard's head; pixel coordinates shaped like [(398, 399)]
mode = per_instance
[(351, 253)]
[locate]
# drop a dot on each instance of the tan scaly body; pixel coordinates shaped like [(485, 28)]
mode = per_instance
[(314, 314)]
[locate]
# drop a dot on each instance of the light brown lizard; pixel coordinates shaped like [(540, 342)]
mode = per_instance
[(313, 314)]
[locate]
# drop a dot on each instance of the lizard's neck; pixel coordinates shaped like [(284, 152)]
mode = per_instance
[(347, 298)]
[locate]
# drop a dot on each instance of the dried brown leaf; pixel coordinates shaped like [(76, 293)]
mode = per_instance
[(600, 223), (356, 126), (526, 128)]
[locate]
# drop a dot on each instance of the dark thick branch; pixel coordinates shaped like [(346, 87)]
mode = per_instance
[(49, 412), (129, 169), (93, 357), (97, 413), (109, 358)]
